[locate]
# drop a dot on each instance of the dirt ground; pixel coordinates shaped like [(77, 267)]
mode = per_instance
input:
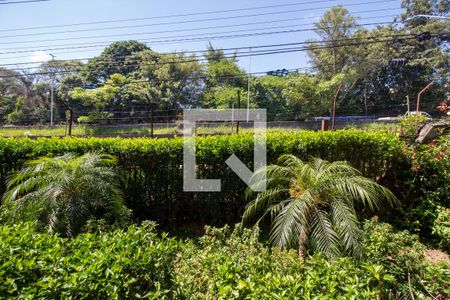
[(436, 255)]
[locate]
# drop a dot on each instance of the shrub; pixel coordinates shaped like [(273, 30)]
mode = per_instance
[(229, 263), (411, 124), (441, 228), (429, 185), (121, 264), (64, 192), (401, 255), (152, 168)]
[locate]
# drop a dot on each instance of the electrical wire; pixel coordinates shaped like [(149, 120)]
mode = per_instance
[(253, 53), (166, 41), (21, 2), (196, 29), (192, 21)]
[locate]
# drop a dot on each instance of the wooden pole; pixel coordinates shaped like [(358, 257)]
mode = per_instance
[(334, 106)]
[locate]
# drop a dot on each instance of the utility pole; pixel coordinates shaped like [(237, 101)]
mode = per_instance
[(407, 103), (238, 106), (334, 106), (152, 118), (248, 85), (51, 94)]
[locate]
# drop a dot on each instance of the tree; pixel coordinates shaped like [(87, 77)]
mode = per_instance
[(267, 91), (117, 58), (67, 85), (223, 78), (308, 96), (176, 76), (312, 205), (11, 90), (101, 97), (64, 192), (329, 56)]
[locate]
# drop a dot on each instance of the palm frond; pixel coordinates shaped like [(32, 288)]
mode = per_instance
[(323, 238), (344, 219)]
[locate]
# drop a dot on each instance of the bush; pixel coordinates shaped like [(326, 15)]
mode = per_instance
[(441, 228), (401, 255), (152, 168), (120, 264), (226, 263), (411, 124), (429, 185), (230, 264)]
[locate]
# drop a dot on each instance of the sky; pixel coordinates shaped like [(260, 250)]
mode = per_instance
[(21, 42)]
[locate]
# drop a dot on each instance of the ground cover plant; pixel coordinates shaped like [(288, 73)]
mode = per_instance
[(226, 263)]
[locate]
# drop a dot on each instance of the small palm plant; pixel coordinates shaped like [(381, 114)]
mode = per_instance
[(64, 192), (311, 205)]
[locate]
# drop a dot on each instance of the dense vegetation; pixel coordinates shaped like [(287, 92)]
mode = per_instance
[(110, 260), (224, 264), (152, 175)]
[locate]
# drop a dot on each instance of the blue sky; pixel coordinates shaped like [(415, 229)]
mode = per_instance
[(33, 45)]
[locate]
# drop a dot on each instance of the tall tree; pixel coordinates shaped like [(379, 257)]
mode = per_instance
[(328, 55), (117, 58), (176, 76)]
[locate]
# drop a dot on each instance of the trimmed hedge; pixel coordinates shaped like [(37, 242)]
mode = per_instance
[(152, 168)]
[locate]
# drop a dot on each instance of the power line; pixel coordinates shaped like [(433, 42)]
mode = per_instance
[(21, 2), (267, 52), (168, 41), (197, 29), (195, 21), (164, 17), (133, 58)]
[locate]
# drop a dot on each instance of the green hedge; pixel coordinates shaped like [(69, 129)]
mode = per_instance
[(152, 168)]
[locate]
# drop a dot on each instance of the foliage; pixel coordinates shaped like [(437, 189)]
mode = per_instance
[(226, 263), (229, 263), (64, 192), (429, 185), (334, 28), (152, 177), (121, 264), (401, 255), (100, 97), (117, 58), (410, 125), (441, 228), (308, 96), (312, 205)]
